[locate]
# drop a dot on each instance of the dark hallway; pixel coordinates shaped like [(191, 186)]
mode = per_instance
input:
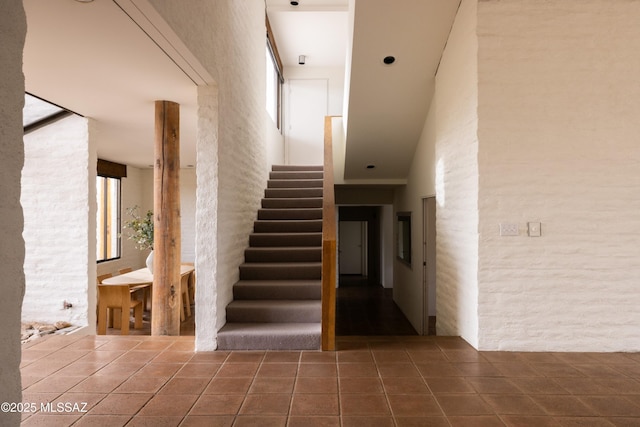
[(363, 309)]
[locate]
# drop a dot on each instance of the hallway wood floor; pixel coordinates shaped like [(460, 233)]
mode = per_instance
[(363, 309)]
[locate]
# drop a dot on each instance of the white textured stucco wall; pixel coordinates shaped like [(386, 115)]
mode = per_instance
[(275, 143), (228, 38), (407, 280), (188, 214), (207, 219), (559, 101), (92, 229), (456, 180), (388, 245), (55, 198), (14, 27)]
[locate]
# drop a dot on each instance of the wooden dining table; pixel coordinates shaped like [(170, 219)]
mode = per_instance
[(142, 278)]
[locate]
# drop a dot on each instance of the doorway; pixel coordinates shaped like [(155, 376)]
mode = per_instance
[(363, 305), (353, 248), (359, 249), (307, 101)]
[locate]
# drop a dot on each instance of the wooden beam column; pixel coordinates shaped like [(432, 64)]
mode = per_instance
[(165, 310)]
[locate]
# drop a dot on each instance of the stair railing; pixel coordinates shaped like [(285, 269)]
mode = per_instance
[(328, 245)]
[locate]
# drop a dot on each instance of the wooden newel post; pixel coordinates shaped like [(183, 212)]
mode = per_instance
[(165, 310)]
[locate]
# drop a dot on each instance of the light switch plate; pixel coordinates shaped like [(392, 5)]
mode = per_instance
[(508, 229), (534, 229)]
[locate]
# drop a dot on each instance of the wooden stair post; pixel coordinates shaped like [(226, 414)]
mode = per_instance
[(165, 313), (329, 246)]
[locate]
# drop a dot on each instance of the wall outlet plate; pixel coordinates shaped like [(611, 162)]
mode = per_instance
[(509, 229)]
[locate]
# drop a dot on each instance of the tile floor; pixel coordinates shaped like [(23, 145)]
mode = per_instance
[(368, 381)]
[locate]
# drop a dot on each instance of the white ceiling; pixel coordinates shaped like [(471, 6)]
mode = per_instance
[(314, 28), (387, 104), (92, 58)]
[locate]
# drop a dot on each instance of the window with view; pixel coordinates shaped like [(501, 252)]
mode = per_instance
[(274, 79), (272, 89), (108, 218), (108, 223)]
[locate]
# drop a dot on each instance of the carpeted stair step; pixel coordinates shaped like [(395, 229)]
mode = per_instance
[(305, 213), (277, 289), (280, 270), (278, 311), (294, 183), (277, 301), (285, 239), (293, 192), (288, 226), (283, 254), (292, 202), (270, 336), (297, 168), (296, 175)]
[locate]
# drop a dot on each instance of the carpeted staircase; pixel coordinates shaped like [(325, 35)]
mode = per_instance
[(276, 304)]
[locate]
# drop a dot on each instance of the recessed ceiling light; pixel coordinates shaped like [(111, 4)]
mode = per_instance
[(294, 3), (388, 60), (371, 166), (84, 1)]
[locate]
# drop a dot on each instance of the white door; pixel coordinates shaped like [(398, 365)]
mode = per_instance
[(351, 247), (306, 110)]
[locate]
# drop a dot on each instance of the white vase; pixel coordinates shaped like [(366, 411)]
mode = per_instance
[(150, 262)]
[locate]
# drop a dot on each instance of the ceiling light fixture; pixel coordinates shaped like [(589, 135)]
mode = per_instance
[(302, 59), (294, 3), (84, 1), (371, 166), (388, 60)]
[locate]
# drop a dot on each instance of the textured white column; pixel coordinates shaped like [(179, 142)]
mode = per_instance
[(207, 219), (14, 28)]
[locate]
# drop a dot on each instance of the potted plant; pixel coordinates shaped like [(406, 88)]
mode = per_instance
[(140, 230)]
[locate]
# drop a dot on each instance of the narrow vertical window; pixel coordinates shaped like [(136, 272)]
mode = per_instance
[(108, 220), (108, 195), (274, 78), (272, 88)]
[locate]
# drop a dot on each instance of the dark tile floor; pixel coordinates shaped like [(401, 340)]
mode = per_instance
[(367, 381)]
